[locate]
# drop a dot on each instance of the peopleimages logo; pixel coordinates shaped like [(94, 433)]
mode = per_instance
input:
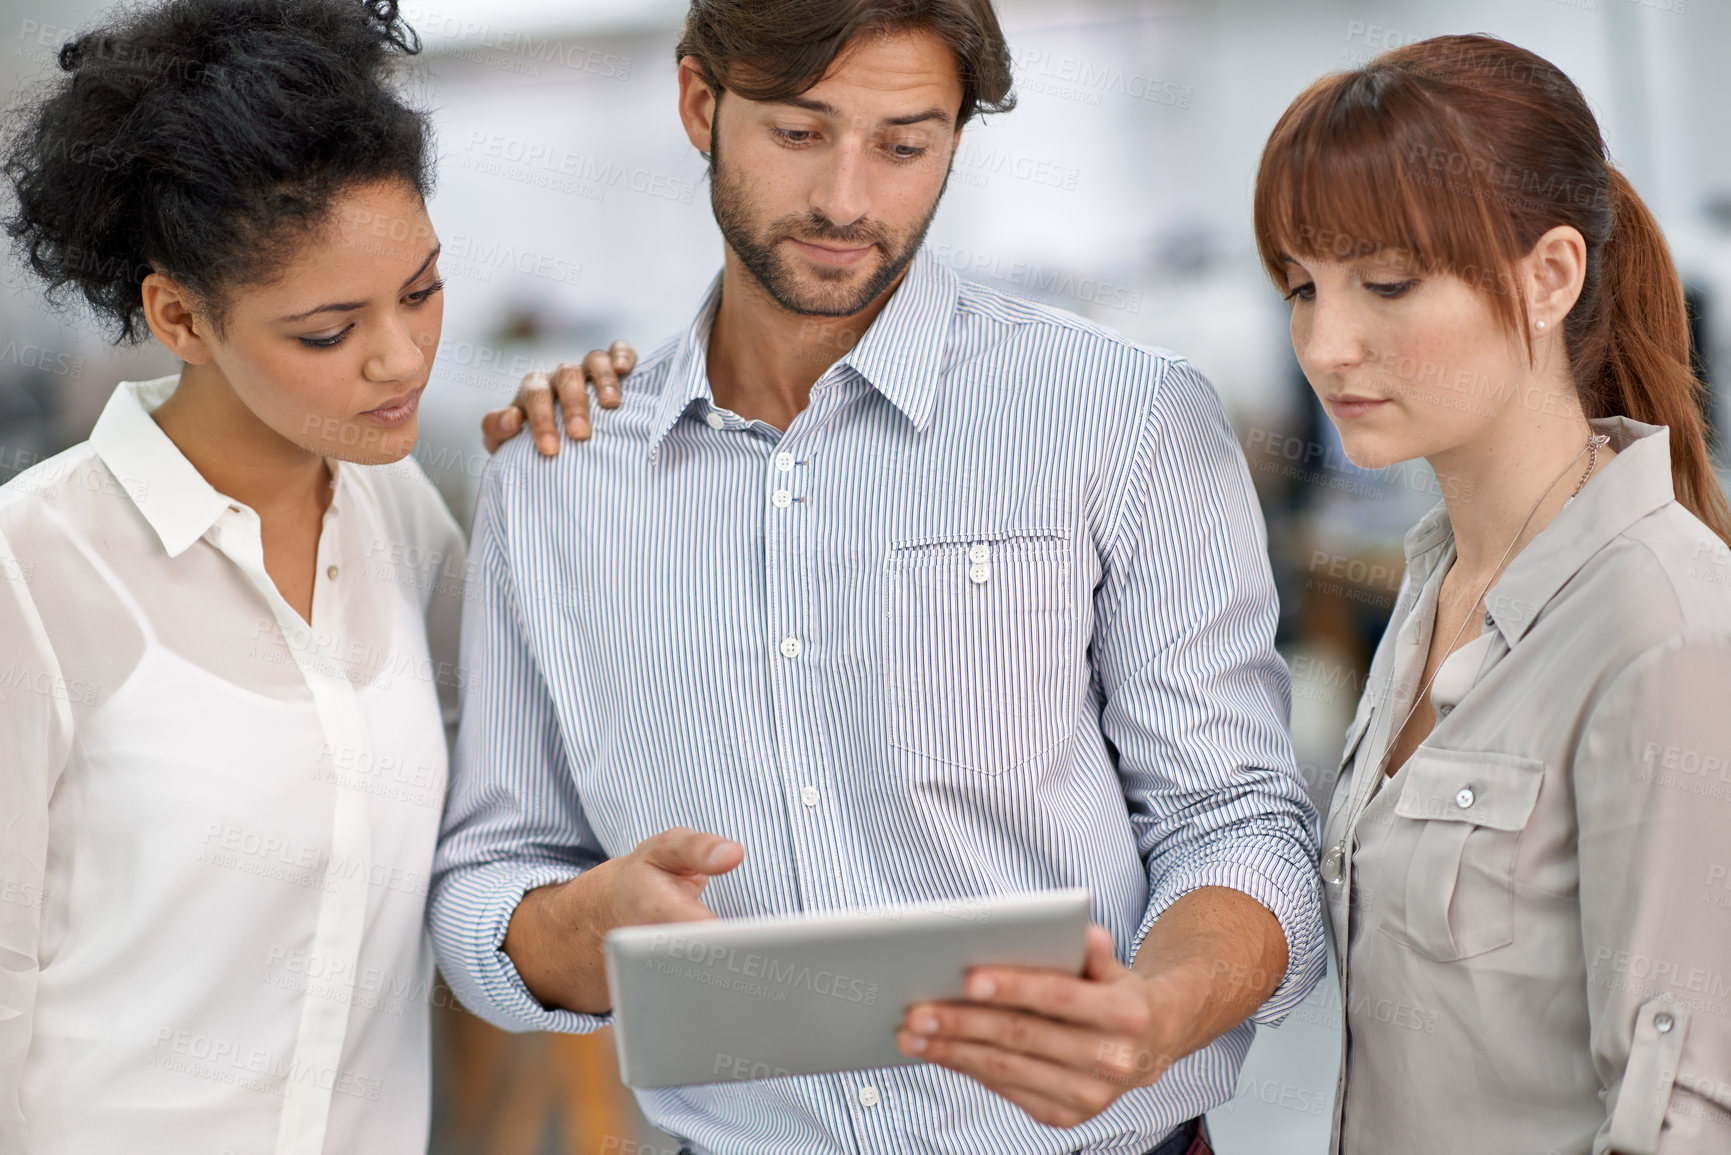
[(751, 966), (434, 24), (1038, 279), (1074, 78)]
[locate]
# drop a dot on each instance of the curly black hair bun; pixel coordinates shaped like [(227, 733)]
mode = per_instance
[(203, 138)]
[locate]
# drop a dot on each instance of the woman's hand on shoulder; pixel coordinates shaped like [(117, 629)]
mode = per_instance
[(569, 386)]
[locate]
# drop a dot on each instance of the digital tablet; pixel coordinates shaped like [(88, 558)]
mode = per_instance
[(759, 998)]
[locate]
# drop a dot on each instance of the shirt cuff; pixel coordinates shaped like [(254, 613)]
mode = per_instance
[(469, 918), (1285, 882)]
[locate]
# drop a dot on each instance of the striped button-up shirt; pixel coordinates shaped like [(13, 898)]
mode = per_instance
[(994, 614)]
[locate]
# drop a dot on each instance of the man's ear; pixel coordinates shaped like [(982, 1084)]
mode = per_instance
[(697, 103), (173, 316)]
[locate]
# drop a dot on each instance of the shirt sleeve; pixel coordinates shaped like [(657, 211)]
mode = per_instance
[(1653, 800), (36, 727), (1196, 698), (513, 819)]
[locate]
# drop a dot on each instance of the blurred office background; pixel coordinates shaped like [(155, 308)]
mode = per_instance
[(573, 212)]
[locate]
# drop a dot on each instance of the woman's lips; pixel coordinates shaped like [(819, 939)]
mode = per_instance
[(396, 411), (1348, 407)]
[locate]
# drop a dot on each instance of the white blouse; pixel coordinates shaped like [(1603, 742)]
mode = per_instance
[(216, 821)]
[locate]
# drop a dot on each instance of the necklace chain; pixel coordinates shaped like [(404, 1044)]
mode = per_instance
[(1333, 862)]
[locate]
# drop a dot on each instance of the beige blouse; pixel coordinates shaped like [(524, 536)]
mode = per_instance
[(1534, 921)]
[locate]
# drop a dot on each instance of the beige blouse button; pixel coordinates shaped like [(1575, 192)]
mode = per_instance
[(331, 573), (1663, 1022), (1444, 711), (1464, 798)]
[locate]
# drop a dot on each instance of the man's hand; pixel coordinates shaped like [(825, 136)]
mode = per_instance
[(570, 383), (555, 934), (1063, 1048)]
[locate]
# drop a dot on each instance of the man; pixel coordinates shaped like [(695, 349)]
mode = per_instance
[(880, 587)]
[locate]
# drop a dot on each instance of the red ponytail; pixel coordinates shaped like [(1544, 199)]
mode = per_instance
[(1634, 358)]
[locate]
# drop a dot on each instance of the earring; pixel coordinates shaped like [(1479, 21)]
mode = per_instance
[(1539, 325)]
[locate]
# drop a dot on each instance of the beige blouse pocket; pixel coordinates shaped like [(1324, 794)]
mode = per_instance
[(1464, 814)]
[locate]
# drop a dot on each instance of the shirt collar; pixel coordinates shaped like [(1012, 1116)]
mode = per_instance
[(902, 351), (1631, 486), (688, 373), (174, 497), (168, 490), (900, 355)]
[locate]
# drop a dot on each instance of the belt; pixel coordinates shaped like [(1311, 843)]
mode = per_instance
[(1189, 1139)]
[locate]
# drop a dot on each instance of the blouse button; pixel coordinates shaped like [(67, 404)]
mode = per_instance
[(1663, 1022), (331, 573), (1444, 711), (1464, 798)]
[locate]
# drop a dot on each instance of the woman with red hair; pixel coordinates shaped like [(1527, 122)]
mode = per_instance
[(1535, 795)]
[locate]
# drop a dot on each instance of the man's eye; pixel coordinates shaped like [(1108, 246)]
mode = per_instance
[(794, 135), (907, 151)]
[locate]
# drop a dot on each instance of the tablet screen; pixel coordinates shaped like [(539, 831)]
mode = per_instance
[(762, 998)]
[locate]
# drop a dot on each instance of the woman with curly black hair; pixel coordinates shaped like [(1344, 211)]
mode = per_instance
[(225, 755)]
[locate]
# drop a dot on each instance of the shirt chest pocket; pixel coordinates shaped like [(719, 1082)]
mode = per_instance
[(981, 660), (1461, 815)]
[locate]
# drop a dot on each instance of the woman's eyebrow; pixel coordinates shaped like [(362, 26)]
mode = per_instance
[(351, 306)]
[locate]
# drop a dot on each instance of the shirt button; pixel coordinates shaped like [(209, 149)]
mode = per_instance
[(1490, 622), (716, 420), (331, 573), (868, 1096), (1464, 797), (979, 574), (1663, 1022), (808, 795), (782, 499), (784, 462), (790, 647), (979, 553), (1444, 711)]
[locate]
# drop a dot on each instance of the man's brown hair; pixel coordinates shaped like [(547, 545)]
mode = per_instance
[(774, 49)]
